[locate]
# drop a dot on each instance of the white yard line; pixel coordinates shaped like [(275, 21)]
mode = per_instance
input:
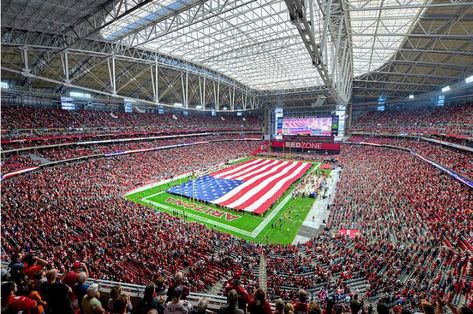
[(200, 218), (150, 196)]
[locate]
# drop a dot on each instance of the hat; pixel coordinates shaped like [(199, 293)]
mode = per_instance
[(93, 289)]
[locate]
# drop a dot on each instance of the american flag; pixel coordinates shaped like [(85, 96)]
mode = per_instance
[(251, 186)]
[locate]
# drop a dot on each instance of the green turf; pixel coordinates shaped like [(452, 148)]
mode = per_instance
[(292, 213)]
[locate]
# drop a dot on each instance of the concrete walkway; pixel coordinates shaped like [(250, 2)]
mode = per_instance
[(38, 158), (313, 223)]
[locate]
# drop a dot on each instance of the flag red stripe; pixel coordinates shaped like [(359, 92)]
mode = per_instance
[(257, 182), (247, 171), (280, 192), (237, 167), (268, 187)]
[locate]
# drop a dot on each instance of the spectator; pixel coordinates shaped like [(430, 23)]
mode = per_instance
[(176, 305), (178, 282), (314, 308), (116, 292), (232, 304), (279, 306), (91, 303), (11, 303), (70, 277), (80, 288), (289, 308), (34, 295), (201, 306), (355, 305), (149, 301), (259, 304), (243, 297), (33, 265), (120, 305), (56, 294), (302, 305)]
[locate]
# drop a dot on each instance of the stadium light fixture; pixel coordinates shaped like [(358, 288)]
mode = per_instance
[(411, 96), (177, 104), (80, 95), (198, 107), (446, 89), (225, 108), (469, 79)]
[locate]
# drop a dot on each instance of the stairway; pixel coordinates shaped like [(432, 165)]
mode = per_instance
[(216, 289), (263, 280), (38, 158)]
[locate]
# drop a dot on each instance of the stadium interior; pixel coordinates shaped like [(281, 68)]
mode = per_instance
[(236, 156)]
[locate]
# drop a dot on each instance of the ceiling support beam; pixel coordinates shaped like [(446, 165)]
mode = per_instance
[(332, 56), (364, 5)]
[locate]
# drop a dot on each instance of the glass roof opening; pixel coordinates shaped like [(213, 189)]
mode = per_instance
[(256, 44)]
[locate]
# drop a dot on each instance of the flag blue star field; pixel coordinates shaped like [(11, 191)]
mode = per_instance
[(205, 188), (251, 186)]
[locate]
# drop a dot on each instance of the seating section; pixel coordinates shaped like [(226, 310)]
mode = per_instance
[(456, 120), (88, 220), (21, 122), (415, 223), (415, 233), (458, 160), (16, 161)]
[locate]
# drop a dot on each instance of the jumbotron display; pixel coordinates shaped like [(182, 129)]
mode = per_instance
[(313, 126)]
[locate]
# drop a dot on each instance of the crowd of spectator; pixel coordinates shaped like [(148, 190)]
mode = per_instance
[(15, 161), (458, 160), (21, 122), (310, 185), (415, 240), (453, 119)]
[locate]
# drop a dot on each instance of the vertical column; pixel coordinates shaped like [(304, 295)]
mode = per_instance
[(232, 99), (26, 64), (204, 101), (65, 65), (218, 95), (156, 82), (348, 119), (111, 73)]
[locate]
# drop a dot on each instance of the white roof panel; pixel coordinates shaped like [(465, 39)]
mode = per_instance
[(256, 44)]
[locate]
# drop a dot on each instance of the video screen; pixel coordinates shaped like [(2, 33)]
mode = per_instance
[(311, 126)]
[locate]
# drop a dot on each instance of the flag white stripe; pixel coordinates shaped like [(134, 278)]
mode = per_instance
[(244, 175), (263, 184), (238, 168), (274, 189), (249, 182)]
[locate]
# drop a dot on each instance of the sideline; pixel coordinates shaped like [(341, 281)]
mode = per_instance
[(309, 227)]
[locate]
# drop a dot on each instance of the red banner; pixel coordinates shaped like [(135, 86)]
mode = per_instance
[(305, 145), (262, 148), (352, 233)]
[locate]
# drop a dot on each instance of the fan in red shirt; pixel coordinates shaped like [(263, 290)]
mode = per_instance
[(302, 305), (259, 304), (33, 265), (12, 302), (243, 296)]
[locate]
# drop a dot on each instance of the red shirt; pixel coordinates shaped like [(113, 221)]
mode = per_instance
[(70, 279), (300, 308), (19, 303), (30, 271)]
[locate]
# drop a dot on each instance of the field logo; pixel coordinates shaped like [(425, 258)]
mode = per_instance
[(203, 209)]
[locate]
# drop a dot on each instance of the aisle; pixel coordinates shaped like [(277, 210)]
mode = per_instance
[(313, 223)]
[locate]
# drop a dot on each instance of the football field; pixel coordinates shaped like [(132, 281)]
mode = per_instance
[(279, 224)]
